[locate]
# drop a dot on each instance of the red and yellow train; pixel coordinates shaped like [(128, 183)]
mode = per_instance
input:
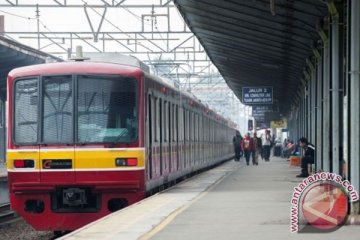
[(89, 138)]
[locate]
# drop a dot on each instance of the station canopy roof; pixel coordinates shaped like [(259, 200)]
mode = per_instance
[(257, 43), (14, 54)]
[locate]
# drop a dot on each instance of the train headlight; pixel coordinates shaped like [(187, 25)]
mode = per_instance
[(124, 162)]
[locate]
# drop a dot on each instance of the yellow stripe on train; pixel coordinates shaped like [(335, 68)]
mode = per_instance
[(81, 158)]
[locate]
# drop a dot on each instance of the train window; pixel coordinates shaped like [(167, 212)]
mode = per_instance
[(57, 109), (181, 123), (26, 111), (195, 121), (150, 119), (107, 109), (196, 127), (193, 124), (160, 120), (200, 128), (171, 122), (165, 121), (186, 124), (201, 133), (211, 123), (151, 116), (168, 121), (175, 122), (157, 119), (204, 129), (190, 125)]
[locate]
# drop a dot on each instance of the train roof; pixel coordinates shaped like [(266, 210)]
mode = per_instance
[(119, 59), (72, 67)]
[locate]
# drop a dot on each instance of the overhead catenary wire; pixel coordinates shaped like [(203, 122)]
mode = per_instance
[(30, 19)]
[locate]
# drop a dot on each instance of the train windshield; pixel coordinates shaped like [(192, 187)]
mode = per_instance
[(26, 111), (106, 109), (57, 109), (102, 109)]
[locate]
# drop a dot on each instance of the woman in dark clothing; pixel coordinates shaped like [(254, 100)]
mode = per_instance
[(237, 145)]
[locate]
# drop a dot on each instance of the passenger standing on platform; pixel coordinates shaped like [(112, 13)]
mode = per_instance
[(247, 146), (266, 143), (262, 149), (309, 156), (237, 145), (257, 149)]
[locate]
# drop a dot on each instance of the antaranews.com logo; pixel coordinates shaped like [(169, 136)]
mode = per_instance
[(320, 203)]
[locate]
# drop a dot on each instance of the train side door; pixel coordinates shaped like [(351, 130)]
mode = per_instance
[(173, 138), (165, 156), (150, 137), (180, 133), (155, 144)]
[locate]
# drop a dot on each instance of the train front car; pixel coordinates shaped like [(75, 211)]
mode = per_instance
[(75, 151)]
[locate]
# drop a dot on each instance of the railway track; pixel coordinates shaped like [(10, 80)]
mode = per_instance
[(7, 216)]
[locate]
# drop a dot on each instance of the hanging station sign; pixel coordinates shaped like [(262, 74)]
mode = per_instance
[(257, 95), (259, 111)]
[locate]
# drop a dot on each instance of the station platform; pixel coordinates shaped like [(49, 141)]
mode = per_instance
[(231, 201)]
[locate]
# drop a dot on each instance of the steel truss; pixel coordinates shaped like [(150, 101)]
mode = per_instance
[(172, 53)]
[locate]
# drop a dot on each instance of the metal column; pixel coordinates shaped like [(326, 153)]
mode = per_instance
[(335, 65), (304, 112), (308, 97), (313, 106), (301, 119), (319, 120), (326, 108), (354, 96)]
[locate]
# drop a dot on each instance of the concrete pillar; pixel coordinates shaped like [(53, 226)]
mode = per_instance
[(354, 98), (326, 107), (335, 65)]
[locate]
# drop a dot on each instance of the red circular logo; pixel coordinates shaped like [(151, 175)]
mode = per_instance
[(325, 206)]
